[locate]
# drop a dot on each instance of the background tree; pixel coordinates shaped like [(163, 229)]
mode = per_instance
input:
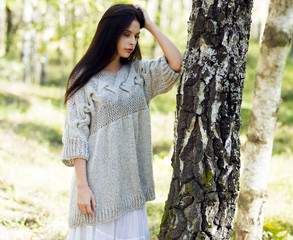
[(13, 22), (44, 36), (258, 148), (2, 26), (29, 38), (204, 187), (158, 23), (259, 16)]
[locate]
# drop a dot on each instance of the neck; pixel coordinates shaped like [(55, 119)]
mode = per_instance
[(114, 66)]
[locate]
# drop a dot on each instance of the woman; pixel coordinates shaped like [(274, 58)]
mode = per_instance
[(107, 136)]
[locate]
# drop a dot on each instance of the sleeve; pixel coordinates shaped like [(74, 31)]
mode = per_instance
[(158, 76), (76, 129)]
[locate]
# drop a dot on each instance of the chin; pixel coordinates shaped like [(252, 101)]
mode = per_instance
[(124, 57), (127, 55)]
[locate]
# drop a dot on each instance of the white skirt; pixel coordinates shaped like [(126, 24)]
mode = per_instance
[(130, 226)]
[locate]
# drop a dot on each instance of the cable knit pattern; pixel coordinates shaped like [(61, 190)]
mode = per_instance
[(108, 124)]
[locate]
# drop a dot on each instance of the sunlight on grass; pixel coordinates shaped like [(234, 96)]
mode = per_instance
[(34, 183), (162, 133), (278, 222)]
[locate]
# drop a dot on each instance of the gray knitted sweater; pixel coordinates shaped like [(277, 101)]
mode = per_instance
[(108, 124)]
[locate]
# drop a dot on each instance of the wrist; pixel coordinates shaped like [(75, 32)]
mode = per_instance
[(82, 185), (150, 26)]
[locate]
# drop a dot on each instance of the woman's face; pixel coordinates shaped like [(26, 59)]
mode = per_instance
[(128, 40)]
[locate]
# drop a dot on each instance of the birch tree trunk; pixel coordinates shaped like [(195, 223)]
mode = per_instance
[(260, 136), (61, 58), (45, 41), (205, 183), (2, 27), (27, 46), (41, 50), (258, 17), (158, 23)]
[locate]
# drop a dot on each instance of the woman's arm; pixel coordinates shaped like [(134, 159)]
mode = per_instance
[(85, 198), (171, 52)]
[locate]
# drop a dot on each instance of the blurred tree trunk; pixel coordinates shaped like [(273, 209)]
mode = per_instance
[(14, 20), (61, 28), (45, 41), (2, 27), (258, 16), (9, 30), (41, 48), (73, 31), (29, 38), (206, 159), (167, 14), (172, 17), (260, 136), (157, 22)]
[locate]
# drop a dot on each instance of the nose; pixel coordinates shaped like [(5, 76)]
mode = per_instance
[(133, 41)]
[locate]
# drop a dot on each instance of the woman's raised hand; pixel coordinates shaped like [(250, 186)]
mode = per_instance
[(171, 52), (148, 21)]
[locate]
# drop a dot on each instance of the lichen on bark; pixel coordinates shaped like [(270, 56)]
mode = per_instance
[(205, 183)]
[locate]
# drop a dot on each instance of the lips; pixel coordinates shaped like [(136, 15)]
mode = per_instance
[(130, 50)]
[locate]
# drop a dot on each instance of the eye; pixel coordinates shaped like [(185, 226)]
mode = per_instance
[(126, 34), (137, 37)]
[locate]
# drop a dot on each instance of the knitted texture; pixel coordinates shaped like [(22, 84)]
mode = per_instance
[(108, 124)]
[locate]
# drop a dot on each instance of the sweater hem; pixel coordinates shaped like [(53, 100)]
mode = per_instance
[(108, 214)]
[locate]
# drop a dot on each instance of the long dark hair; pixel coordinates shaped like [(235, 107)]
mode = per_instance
[(104, 46)]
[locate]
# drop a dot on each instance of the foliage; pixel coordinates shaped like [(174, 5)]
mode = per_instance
[(63, 30), (277, 230)]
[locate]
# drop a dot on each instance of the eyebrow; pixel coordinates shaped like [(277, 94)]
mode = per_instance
[(131, 32)]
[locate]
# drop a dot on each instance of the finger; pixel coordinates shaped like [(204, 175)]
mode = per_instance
[(88, 208), (137, 6), (80, 207), (93, 202), (84, 210)]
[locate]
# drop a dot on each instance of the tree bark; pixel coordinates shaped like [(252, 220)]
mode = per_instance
[(260, 136), (205, 183)]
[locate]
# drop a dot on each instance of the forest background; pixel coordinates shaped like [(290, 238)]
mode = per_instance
[(40, 42)]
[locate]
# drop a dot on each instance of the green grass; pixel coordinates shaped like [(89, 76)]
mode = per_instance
[(34, 184)]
